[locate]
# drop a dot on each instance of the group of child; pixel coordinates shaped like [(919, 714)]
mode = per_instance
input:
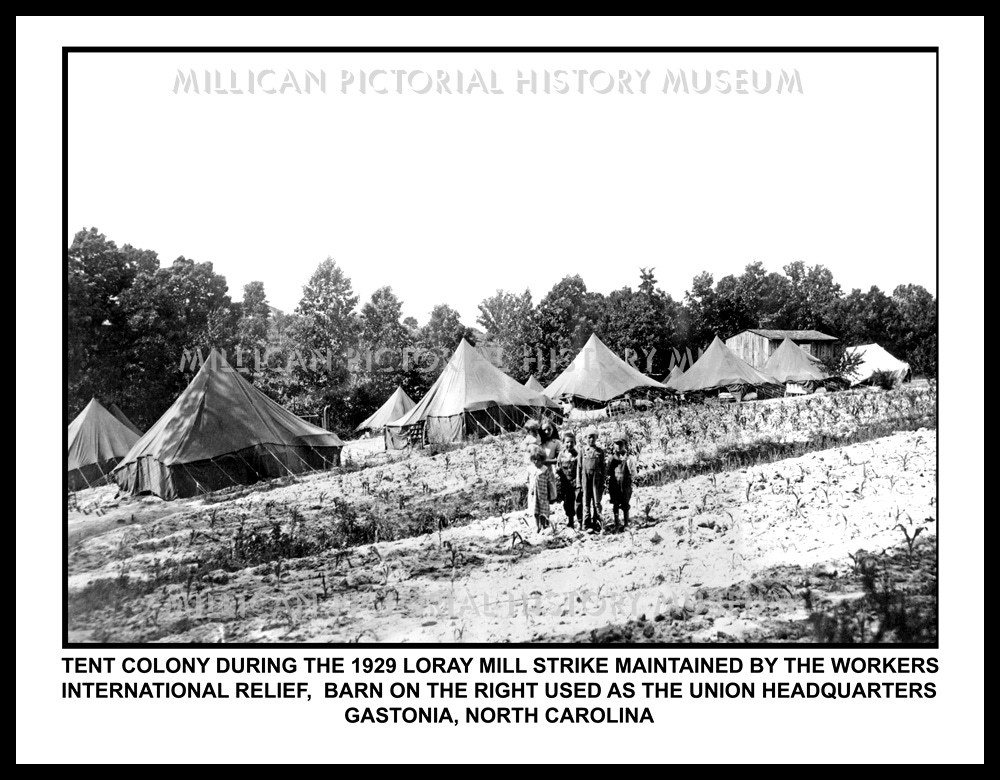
[(577, 476)]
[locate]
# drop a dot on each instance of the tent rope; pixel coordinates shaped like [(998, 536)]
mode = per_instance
[(198, 485), (307, 464), (84, 478), (322, 456), (224, 472), (473, 416), (290, 473), (249, 465)]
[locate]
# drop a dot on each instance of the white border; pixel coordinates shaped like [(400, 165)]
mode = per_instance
[(947, 729)]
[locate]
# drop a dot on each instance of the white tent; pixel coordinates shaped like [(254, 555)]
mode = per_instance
[(472, 397), (97, 442), (876, 358), (396, 405), (597, 374)]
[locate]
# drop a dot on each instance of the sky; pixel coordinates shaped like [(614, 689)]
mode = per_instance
[(450, 197)]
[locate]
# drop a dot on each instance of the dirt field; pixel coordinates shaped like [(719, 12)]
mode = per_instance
[(749, 524)]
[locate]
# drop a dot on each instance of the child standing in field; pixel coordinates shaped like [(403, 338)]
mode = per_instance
[(550, 442), (566, 469), (590, 476), (541, 488), (620, 469)]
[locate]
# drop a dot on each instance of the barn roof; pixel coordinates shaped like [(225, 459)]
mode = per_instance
[(794, 335)]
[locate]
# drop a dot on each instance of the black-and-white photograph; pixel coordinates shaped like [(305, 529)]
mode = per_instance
[(481, 347)]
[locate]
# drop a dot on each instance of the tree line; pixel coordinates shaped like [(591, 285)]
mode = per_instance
[(131, 319)]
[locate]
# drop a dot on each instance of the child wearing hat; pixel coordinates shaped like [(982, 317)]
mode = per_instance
[(590, 476)]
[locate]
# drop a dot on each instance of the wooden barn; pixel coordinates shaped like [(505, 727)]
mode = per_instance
[(756, 345)]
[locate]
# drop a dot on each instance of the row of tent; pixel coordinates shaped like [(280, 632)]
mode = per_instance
[(474, 397), (222, 431), (789, 364)]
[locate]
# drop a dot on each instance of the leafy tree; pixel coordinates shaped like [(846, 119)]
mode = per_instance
[(172, 313), (327, 306), (444, 330), (384, 339), (380, 321), (509, 322), (325, 337), (97, 335), (702, 321), (564, 320), (842, 362), (642, 324), (276, 377), (760, 296), (252, 328), (864, 317), (913, 332), (812, 298)]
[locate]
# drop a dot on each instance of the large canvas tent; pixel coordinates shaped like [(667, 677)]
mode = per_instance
[(598, 375), (719, 368), (222, 431), (97, 442), (536, 387), (876, 358), (472, 397), (675, 373), (790, 363), (395, 406)]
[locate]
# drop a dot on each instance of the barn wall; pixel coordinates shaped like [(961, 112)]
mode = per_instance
[(818, 349), (754, 349), (823, 349)]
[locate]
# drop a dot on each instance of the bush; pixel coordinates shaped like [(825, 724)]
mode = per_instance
[(884, 379)]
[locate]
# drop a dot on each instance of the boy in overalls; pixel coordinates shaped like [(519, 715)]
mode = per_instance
[(566, 467), (590, 477)]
